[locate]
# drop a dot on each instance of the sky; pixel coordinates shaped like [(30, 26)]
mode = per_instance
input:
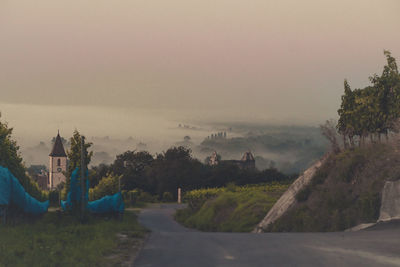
[(280, 61)]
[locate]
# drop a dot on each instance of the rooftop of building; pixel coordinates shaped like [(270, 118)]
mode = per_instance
[(58, 148)]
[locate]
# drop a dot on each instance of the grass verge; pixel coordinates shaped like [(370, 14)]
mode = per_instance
[(60, 240)]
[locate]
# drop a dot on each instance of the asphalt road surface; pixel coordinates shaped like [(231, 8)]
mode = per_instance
[(170, 244)]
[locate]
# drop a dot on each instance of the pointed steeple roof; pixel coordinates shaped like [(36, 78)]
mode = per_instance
[(248, 156), (58, 148)]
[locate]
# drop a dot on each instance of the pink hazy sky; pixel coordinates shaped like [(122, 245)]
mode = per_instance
[(285, 59)]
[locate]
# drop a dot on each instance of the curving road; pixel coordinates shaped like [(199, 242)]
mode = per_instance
[(170, 244)]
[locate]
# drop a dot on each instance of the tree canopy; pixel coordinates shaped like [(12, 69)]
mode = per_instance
[(373, 110), (174, 168), (10, 158)]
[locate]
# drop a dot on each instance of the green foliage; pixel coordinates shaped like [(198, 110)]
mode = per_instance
[(106, 187), (196, 198), (74, 157), (374, 109), (146, 197), (62, 241), (74, 153), (10, 158), (238, 209), (176, 168)]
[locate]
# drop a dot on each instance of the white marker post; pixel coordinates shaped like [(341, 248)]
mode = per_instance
[(179, 196)]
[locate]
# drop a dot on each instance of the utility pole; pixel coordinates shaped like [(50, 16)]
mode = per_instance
[(83, 206)]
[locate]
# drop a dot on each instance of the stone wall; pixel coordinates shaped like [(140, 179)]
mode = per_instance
[(390, 206)]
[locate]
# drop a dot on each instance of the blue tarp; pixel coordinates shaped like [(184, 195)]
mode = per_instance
[(106, 204), (12, 192)]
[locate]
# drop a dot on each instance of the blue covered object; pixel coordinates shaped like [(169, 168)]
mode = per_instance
[(107, 204), (12, 192), (74, 194)]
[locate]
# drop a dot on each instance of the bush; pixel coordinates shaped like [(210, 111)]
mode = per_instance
[(196, 198), (107, 186), (146, 197), (10, 158)]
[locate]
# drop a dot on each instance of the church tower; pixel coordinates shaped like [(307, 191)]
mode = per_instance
[(58, 164)]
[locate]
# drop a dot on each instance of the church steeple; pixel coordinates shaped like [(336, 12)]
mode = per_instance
[(58, 163), (58, 148)]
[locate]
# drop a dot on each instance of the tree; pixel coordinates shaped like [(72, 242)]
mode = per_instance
[(96, 173), (10, 158), (388, 94), (109, 185), (374, 109), (345, 124), (130, 165), (329, 131), (74, 156)]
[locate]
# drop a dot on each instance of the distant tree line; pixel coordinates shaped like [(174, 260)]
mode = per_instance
[(171, 169), (372, 111)]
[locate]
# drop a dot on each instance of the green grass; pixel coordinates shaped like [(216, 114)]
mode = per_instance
[(60, 240), (232, 209)]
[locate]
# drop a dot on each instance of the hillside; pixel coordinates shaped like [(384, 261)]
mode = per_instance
[(345, 191), (229, 209)]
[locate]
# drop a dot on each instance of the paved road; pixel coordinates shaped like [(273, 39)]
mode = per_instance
[(173, 245)]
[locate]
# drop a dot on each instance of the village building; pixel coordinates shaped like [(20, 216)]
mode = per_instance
[(58, 164), (42, 179), (246, 163), (213, 159)]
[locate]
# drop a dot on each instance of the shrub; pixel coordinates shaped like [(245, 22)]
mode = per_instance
[(107, 186), (146, 197)]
